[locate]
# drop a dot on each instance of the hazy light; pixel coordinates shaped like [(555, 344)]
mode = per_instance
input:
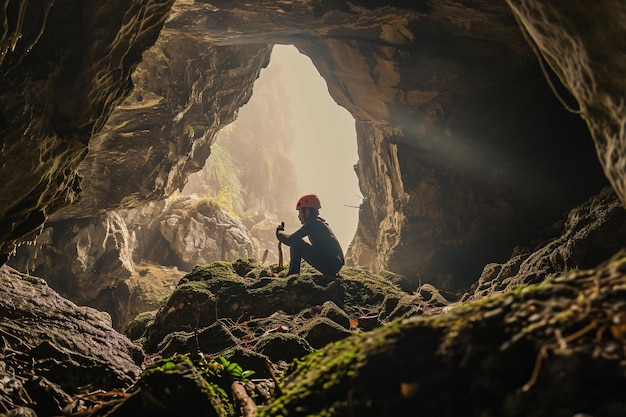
[(324, 150)]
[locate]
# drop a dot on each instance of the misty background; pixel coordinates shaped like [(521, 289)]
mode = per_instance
[(290, 139)]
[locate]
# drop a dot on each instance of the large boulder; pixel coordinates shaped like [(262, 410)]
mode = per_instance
[(53, 349), (590, 234), (255, 303)]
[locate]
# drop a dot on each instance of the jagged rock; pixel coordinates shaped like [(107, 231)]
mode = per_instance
[(555, 349), (590, 234), (199, 233), (53, 349), (256, 303), (94, 261), (82, 258), (458, 131), (63, 69)]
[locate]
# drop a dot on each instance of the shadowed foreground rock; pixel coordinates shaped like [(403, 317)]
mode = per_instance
[(590, 234), (551, 349), (50, 348), (555, 349)]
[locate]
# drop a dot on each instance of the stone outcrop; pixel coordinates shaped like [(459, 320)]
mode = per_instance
[(555, 349), (185, 91), (590, 234), (63, 68), (460, 136), (99, 263), (222, 305), (53, 349), (192, 232)]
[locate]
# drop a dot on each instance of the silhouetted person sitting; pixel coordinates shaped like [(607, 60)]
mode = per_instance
[(322, 251)]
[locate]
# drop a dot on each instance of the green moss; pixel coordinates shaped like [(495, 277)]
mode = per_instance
[(180, 372), (326, 373), (243, 266), (214, 270)]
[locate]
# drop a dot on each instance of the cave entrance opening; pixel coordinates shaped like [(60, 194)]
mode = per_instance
[(325, 149), (291, 138)]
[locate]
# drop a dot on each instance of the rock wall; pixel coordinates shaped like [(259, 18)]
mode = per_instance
[(586, 237), (464, 149), (63, 67), (584, 44), (85, 259)]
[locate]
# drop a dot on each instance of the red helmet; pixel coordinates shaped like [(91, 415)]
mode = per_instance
[(308, 200)]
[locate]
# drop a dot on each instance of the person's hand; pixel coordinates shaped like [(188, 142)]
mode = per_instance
[(280, 228)]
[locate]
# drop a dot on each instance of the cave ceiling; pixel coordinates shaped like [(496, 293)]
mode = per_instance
[(465, 148)]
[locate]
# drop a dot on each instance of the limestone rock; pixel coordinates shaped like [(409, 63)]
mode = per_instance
[(199, 233), (590, 234), (54, 348), (81, 258), (63, 68), (102, 261), (552, 349)]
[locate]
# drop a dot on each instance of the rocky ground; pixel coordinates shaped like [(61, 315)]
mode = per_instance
[(240, 310), (240, 339), (542, 334)]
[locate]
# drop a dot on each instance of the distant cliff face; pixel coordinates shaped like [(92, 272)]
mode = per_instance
[(464, 149)]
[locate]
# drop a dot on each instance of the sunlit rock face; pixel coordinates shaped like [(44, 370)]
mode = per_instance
[(63, 67), (95, 260), (464, 149), (185, 91)]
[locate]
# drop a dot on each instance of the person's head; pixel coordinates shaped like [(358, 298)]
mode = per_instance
[(307, 213), (308, 207)]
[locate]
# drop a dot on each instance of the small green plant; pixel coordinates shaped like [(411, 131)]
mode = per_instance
[(234, 371), (221, 373)]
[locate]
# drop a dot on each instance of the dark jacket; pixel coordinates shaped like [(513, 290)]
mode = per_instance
[(320, 236)]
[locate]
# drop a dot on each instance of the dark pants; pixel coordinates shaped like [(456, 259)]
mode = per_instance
[(327, 264)]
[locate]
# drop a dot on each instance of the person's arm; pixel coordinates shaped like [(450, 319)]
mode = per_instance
[(289, 239)]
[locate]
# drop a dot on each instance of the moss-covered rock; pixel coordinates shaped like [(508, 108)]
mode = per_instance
[(554, 349), (176, 387), (243, 291), (280, 346), (320, 331)]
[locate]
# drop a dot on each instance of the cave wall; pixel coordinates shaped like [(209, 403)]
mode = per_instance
[(185, 91), (464, 151), (63, 67), (585, 44)]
